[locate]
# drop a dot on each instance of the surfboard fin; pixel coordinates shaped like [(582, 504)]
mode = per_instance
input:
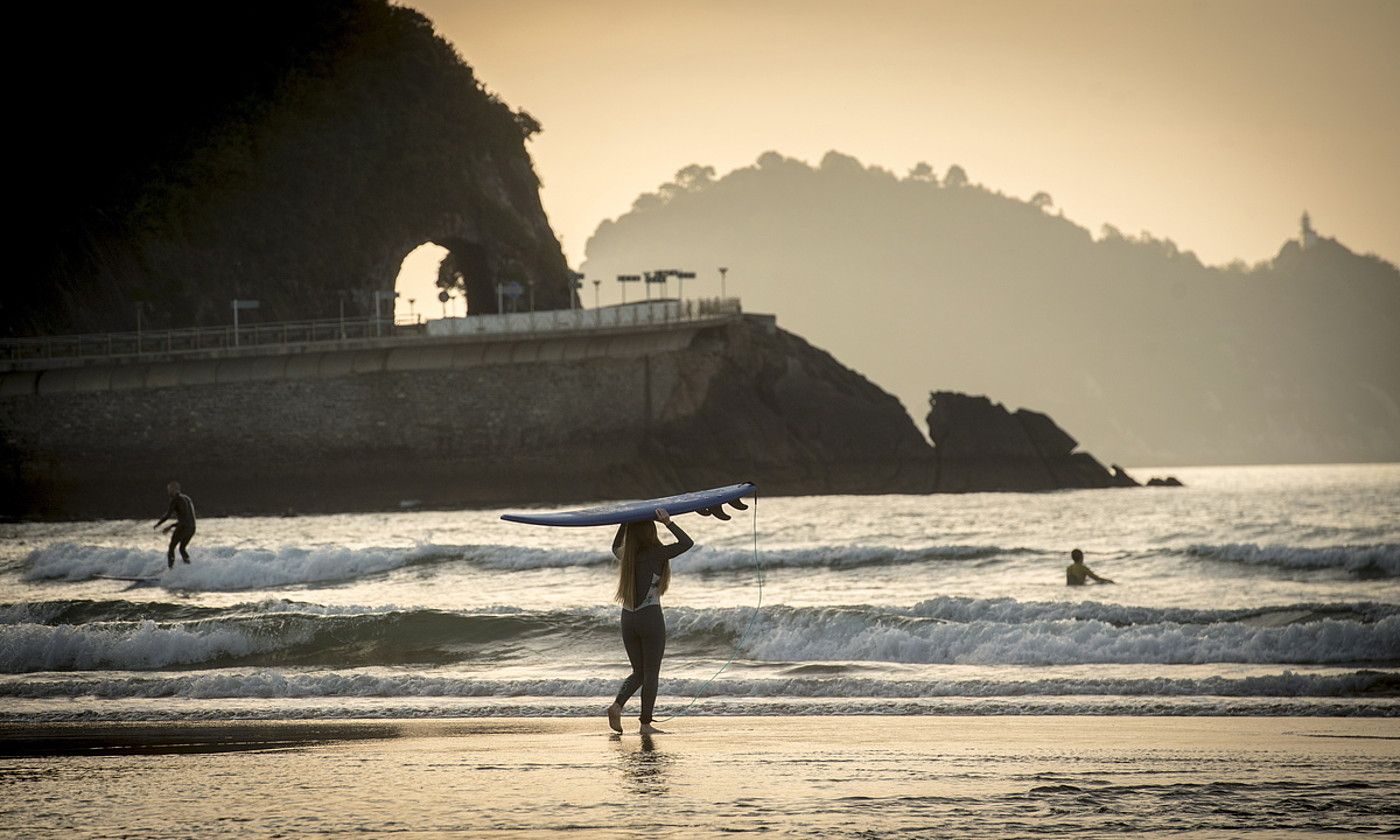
[(718, 512), (738, 504)]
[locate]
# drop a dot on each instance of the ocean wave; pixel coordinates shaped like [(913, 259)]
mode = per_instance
[(290, 635), (938, 631), (270, 684), (711, 559), (1378, 560), (708, 558), (833, 634), (228, 569), (146, 644)]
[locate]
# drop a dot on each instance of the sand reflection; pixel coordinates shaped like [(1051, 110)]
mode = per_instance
[(644, 765)]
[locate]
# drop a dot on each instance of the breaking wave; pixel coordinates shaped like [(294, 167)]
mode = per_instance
[(938, 631), (270, 684), (229, 569), (1379, 560)]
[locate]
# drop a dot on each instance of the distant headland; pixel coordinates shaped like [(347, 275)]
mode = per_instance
[(1127, 339)]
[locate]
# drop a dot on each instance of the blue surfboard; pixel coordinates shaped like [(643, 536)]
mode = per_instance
[(708, 502)]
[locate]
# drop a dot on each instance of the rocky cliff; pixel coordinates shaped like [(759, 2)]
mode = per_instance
[(291, 153), (505, 420), (981, 446)]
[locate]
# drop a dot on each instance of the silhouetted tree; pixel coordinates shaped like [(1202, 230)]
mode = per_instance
[(528, 125), (956, 177), (695, 177)]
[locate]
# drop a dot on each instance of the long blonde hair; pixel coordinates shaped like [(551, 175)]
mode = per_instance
[(637, 537)]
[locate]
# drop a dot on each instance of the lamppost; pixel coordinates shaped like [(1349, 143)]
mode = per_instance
[(596, 284), (237, 305), (410, 310), (342, 293), (681, 277), (443, 298), (378, 319), (722, 272), (624, 279)]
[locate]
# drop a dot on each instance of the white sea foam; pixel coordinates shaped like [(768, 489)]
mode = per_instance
[(35, 647), (267, 684), (940, 631), (222, 568), (843, 635)]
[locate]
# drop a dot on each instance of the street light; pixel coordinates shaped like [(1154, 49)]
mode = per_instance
[(379, 295), (596, 284), (681, 277), (237, 305), (139, 304), (722, 271), (624, 279), (443, 298)]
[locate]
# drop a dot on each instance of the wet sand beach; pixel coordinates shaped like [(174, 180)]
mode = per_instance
[(810, 776)]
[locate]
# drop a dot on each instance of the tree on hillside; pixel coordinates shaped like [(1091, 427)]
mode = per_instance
[(923, 172)]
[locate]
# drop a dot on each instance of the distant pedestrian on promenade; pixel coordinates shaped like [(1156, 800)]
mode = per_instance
[(182, 509), (1078, 574)]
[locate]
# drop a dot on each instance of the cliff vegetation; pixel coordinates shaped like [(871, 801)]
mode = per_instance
[(291, 153)]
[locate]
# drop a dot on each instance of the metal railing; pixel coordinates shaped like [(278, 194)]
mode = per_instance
[(287, 333), (196, 339), (640, 314)]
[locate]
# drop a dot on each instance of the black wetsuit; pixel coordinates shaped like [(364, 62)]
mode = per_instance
[(644, 628), (182, 509)]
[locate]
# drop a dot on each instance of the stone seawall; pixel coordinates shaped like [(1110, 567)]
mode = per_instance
[(545, 419)]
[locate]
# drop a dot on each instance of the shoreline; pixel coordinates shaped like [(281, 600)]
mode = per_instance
[(61, 738), (832, 776)]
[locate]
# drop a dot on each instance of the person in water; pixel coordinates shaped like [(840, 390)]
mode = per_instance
[(644, 573), (1078, 574), (182, 509)]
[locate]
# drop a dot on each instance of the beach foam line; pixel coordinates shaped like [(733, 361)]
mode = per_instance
[(269, 684)]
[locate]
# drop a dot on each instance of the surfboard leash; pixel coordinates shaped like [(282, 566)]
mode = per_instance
[(753, 618)]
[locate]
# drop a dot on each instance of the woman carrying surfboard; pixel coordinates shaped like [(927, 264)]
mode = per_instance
[(644, 573)]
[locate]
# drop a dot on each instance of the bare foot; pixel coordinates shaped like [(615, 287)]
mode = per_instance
[(615, 717), (648, 729)]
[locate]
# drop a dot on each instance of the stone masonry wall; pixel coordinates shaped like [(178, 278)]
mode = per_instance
[(624, 418)]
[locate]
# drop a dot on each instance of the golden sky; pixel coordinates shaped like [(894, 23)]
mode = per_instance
[(1214, 124)]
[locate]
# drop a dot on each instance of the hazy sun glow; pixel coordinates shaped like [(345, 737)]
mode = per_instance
[(1214, 124)]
